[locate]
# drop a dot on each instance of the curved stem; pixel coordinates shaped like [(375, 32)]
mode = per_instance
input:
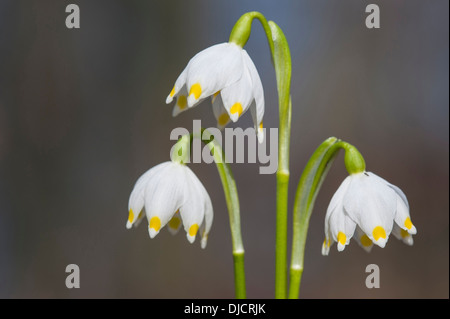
[(242, 28), (281, 57), (232, 200), (309, 185)]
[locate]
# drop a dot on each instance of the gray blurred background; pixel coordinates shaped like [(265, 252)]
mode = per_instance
[(83, 115)]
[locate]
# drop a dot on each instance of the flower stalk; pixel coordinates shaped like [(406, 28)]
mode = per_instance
[(282, 63), (307, 190), (231, 198), (281, 57)]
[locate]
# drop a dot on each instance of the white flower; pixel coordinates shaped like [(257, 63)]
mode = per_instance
[(226, 73), (369, 208), (170, 193)]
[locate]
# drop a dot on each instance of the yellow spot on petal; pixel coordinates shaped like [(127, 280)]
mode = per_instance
[(155, 223), (131, 216), (341, 238), (181, 102), (193, 230), (174, 222), (172, 93), (223, 119), (214, 96), (236, 108), (379, 232), (408, 223), (261, 125), (196, 89), (404, 233), (365, 241)]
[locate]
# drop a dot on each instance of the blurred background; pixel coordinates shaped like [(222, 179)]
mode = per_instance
[(83, 115)]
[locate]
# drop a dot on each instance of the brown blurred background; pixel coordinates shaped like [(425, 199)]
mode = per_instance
[(83, 115)]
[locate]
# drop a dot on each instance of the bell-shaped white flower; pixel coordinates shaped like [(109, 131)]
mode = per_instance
[(226, 73), (170, 193), (369, 209)]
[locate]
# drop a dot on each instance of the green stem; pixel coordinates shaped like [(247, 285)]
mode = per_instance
[(282, 63), (308, 188), (232, 200), (242, 29), (281, 57), (282, 208)]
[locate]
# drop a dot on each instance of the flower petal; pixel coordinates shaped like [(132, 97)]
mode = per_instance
[(336, 204), (363, 240), (179, 84), (136, 201), (164, 194), (258, 125), (338, 197), (181, 104), (256, 108), (219, 111), (342, 227), (328, 241), (372, 205), (193, 209), (174, 223), (402, 217), (209, 216), (238, 96), (402, 235), (213, 69)]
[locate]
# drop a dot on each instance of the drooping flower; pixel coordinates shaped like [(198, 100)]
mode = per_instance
[(170, 193), (369, 209), (227, 74)]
